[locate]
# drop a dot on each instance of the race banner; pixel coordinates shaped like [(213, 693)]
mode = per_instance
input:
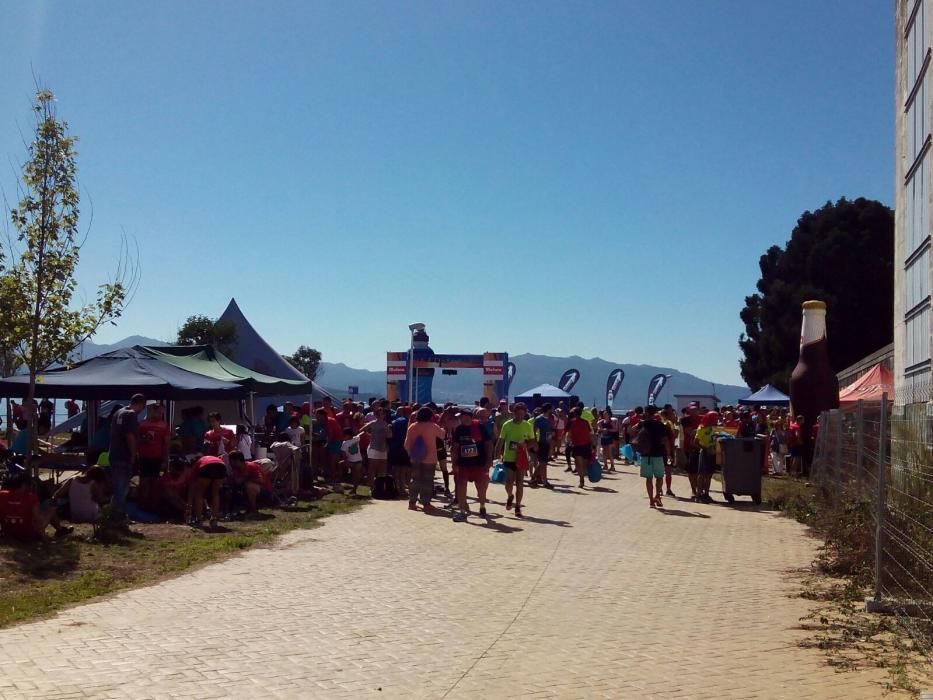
[(655, 385), (568, 380), (613, 384)]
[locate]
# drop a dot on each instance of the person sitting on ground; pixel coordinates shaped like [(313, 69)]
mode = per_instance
[(172, 489), (85, 494), (22, 516), (250, 479)]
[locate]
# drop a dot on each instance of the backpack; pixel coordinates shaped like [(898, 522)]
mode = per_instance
[(384, 489), (643, 442), (419, 450)]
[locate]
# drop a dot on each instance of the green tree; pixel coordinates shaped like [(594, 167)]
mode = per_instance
[(201, 330), (44, 327), (306, 360), (842, 254)]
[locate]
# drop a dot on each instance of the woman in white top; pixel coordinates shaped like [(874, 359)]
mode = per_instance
[(244, 443), (85, 493)]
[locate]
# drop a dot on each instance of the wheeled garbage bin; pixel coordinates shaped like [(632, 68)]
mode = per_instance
[(741, 468)]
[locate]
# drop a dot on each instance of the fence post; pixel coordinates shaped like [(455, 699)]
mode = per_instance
[(859, 445), (882, 474)]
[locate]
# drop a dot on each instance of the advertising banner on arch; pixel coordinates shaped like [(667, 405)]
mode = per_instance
[(613, 384), (568, 380), (654, 387)]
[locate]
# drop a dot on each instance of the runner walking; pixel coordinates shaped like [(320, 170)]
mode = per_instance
[(516, 437)]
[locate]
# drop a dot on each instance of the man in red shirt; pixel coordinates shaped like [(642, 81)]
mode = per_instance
[(251, 478), (152, 453), (22, 517), (334, 434), (218, 441), (328, 406), (72, 407), (345, 417)]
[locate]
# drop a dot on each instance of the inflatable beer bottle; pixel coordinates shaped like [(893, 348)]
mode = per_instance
[(813, 384)]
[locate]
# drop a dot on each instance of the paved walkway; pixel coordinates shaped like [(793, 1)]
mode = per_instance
[(591, 595)]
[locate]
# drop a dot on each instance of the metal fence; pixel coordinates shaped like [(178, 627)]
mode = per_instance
[(874, 464)]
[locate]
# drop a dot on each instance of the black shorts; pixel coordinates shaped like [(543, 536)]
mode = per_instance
[(441, 453), (581, 451), (544, 452), (615, 435), (510, 466), (213, 471), (606, 440), (150, 468), (398, 457)]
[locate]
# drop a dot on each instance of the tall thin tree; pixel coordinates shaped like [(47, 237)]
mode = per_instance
[(45, 249)]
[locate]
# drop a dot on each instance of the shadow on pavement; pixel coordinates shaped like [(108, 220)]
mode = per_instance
[(492, 523), (603, 489), (545, 521), (682, 513)]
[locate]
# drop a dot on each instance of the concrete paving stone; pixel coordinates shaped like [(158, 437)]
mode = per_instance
[(592, 595)]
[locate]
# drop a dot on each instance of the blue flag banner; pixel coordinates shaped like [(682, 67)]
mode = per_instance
[(568, 379), (654, 387), (613, 384)]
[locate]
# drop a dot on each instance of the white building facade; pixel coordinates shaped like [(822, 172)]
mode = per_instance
[(913, 324)]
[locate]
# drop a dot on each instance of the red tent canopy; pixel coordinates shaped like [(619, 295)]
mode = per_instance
[(870, 386)]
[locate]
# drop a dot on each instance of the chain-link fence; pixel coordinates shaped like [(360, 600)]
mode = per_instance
[(873, 465)]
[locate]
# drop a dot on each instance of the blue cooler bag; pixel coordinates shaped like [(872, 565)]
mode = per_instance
[(498, 474), (595, 471)]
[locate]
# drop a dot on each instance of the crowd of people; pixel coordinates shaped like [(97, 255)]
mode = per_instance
[(202, 470)]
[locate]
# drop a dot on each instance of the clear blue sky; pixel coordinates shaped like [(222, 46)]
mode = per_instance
[(593, 178)]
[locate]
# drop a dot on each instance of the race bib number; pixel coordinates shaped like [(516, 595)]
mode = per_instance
[(513, 446), (469, 451)]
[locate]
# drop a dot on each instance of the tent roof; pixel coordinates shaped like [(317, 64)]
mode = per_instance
[(253, 352), (766, 396), (206, 360), (120, 374), (871, 386), (547, 391)]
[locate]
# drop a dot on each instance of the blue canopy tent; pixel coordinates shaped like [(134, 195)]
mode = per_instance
[(766, 396), (546, 393)]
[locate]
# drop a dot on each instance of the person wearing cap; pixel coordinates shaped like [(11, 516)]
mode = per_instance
[(516, 438), (706, 455), (470, 445), (124, 441)]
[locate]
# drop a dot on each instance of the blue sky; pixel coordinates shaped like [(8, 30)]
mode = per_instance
[(593, 178)]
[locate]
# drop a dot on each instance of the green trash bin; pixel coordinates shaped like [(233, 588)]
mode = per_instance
[(741, 467)]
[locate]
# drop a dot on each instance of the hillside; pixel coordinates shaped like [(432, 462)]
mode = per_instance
[(532, 370)]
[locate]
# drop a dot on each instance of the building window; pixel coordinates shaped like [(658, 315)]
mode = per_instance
[(916, 46), (917, 216), (918, 338), (918, 280)]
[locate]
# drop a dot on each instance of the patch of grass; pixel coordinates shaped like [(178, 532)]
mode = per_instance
[(39, 579)]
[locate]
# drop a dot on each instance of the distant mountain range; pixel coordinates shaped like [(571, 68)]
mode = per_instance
[(531, 371)]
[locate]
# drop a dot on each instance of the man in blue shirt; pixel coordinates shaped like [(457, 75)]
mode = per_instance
[(399, 462), (544, 428)]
